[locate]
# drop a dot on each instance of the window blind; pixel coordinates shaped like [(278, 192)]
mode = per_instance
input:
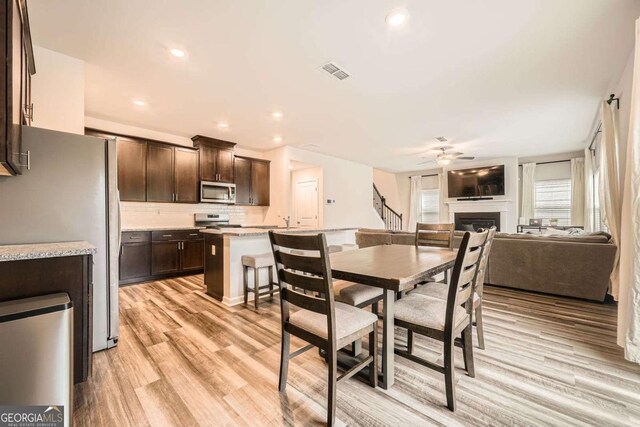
[(553, 200), (430, 206)]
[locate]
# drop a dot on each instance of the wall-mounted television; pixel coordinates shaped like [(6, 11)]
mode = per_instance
[(486, 181)]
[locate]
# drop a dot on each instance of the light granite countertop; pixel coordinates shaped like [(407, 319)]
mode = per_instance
[(240, 232), (45, 250), (160, 228)]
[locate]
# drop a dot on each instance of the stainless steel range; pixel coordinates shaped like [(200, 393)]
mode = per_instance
[(214, 221)]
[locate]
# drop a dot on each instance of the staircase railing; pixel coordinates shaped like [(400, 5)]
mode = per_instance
[(392, 220)]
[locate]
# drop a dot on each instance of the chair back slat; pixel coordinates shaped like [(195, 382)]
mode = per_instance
[(308, 302), (296, 241), (437, 235), (464, 273), (484, 260), (305, 264), (307, 283)]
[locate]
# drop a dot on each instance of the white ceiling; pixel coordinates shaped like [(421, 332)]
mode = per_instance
[(496, 77)]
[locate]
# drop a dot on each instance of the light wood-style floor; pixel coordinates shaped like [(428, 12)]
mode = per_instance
[(185, 359)]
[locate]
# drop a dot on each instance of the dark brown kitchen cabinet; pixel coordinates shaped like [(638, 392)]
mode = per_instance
[(70, 274), (132, 170), (252, 181), (260, 182), (15, 84), (192, 255), (165, 257), (159, 179), (216, 159), (151, 255), (185, 175), (243, 181), (154, 171)]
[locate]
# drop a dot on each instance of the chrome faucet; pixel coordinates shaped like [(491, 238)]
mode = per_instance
[(287, 221)]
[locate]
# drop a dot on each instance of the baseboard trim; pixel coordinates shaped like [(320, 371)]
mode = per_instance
[(233, 301)]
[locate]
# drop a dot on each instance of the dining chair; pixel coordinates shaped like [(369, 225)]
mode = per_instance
[(320, 320), (444, 320), (440, 290), (435, 235)]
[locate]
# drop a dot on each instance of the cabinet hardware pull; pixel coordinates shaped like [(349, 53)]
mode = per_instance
[(167, 235), (193, 234)]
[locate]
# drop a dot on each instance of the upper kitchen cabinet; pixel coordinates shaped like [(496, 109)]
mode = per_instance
[(15, 84), (154, 171), (132, 169), (216, 159), (185, 175), (252, 181)]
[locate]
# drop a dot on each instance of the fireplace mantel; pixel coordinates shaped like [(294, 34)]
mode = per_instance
[(467, 206)]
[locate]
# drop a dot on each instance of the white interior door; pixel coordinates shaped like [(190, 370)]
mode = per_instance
[(307, 204)]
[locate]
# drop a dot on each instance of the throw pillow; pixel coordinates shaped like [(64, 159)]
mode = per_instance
[(550, 231)]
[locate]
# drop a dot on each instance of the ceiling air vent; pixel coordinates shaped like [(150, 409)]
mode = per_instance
[(441, 138), (335, 70)]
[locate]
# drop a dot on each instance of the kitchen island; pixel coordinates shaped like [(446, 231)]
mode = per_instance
[(224, 249)]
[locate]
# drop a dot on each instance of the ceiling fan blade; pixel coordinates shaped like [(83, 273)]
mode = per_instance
[(426, 162), (455, 154), (465, 158)]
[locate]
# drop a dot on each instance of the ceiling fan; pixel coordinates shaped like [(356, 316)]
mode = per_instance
[(444, 156)]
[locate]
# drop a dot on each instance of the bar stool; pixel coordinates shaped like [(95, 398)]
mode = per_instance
[(258, 262)]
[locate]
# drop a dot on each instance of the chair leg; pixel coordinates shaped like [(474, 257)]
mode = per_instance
[(356, 347), (479, 326), (449, 372), (374, 308), (284, 360), (332, 363), (245, 279), (256, 287), (410, 341), (270, 283), (467, 350), (446, 276), (373, 351)]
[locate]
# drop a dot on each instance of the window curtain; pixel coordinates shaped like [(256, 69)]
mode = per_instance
[(577, 191), (415, 202), (588, 191), (629, 290), (527, 210), (444, 209), (609, 177)]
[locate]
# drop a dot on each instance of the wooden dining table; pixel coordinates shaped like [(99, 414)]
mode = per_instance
[(393, 268)]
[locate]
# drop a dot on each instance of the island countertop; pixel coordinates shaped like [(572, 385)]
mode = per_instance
[(45, 250), (179, 228), (240, 232)]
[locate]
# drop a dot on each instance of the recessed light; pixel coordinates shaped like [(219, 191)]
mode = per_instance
[(178, 53), (277, 115), (223, 125), (396, 17), (139, 102), (277, 139)]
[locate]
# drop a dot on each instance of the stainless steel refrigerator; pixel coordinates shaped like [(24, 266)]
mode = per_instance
[(70, 193)]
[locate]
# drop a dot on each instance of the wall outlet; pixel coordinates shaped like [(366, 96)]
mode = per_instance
[(213, 250)]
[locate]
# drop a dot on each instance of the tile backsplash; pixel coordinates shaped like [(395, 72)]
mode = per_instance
[(137, 215)]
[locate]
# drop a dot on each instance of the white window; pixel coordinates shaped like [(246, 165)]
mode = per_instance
[(430, 206), (553, 200)]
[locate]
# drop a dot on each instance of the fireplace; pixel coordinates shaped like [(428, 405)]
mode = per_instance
[(465, 220)]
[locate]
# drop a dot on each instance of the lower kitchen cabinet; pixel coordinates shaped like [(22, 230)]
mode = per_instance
[(150, 255), (165, 257)]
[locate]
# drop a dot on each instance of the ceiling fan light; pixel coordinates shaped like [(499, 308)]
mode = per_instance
[(444, 162)]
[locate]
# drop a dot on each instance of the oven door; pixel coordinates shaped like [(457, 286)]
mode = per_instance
[(216, 192)]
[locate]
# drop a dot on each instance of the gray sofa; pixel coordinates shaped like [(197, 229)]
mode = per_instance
[(574, 266)]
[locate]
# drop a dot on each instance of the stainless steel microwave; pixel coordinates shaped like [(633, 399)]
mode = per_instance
[(217, 192)]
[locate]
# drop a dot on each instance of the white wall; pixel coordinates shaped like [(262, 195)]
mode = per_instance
[(349, 183), (57, 91), (388, 187)]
